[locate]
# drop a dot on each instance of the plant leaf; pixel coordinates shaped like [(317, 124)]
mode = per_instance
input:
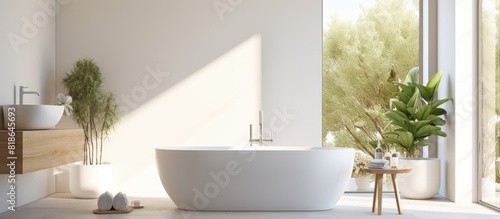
[(394, 141), (433, 84), (408, 89), (400, 106), (424, 142), (401, 130), (419, 124), (411, 111), (436, 120), (394, 116), (427, 130), (413, 101), (406, 139), (391, 133), (405, 116), (440, 133), (435, 104), (425, 92), (398, 119), (412, 76), (403, 96), (438, 111), (423, 112)]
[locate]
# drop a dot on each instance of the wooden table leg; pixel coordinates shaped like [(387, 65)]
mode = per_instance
[(379, 194), (375, 192), (396, 192)]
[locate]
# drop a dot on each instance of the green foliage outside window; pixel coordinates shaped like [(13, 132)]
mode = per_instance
[(362, 60)]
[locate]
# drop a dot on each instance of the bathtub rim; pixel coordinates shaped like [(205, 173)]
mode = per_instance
[(246, 148)]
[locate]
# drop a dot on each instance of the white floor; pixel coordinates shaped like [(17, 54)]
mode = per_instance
[(351, 205), (493, 200)]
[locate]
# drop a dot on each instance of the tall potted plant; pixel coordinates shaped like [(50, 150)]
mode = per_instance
[(415, 117), (96, 112)]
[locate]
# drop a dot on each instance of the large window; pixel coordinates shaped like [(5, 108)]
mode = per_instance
[(368, 45), (490, 103)]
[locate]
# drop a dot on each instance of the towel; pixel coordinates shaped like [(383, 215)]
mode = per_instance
[(105, 201), (120, 201), (378, 164)]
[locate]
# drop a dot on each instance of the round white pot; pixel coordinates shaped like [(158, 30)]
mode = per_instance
[(423, 181), (90, 181), (362, 183)]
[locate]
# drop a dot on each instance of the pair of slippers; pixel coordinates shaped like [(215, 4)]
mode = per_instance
[(107, 202)]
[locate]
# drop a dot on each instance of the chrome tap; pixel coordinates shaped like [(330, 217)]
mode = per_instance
[(22, 92), (260, 140)]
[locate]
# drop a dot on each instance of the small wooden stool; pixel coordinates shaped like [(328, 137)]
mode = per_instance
[(377, 194)]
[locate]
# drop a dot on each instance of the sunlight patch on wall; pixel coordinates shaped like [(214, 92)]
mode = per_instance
[(212, 106)]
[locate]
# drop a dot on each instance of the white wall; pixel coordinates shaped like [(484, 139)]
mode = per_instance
[(187, 73), (27, 50), (457, 52), (27, 58)]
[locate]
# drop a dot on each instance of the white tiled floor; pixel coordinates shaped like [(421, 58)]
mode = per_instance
[(351, 205)]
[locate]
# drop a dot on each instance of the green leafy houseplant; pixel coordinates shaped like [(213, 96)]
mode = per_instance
[(95, 111), (416, 113)]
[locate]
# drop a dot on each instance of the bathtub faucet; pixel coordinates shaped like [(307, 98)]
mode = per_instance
[(260, 140), (22, 93)]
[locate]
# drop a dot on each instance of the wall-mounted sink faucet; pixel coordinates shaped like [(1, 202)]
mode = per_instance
[(260, 140), (22, 93)]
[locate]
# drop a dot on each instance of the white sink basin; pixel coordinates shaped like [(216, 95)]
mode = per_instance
[(33, 116)]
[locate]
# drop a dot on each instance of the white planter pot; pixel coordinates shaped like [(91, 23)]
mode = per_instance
[(362, 183), (423, 181), (90, 181)]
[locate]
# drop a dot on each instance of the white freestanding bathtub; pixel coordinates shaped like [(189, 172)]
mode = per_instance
[(269, 178)]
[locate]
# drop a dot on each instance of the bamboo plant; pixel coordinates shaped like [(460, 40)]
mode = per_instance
[(94, 110), (415, 114)]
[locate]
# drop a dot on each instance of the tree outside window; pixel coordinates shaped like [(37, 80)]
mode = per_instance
[(363, 57)]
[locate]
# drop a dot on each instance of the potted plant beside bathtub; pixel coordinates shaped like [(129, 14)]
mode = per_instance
[(415, 116), (361, 178), (96, 112)]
